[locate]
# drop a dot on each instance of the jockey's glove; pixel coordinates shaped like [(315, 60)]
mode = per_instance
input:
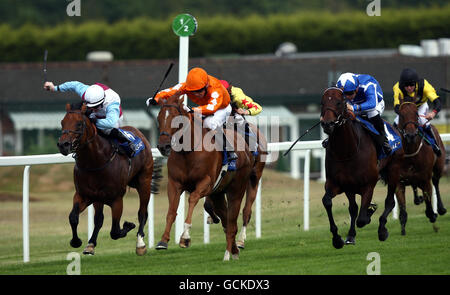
[(151, 101), (187, 109)]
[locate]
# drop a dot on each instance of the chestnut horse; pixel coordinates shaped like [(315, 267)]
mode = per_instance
[(252, 187), (101, 176), (195, 168), (420, 167), (350, 163)]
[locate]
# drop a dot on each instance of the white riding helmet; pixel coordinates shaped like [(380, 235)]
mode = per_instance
[(94, 96)]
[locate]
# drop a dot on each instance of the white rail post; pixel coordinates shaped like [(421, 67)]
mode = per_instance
[(306, 190), (151, 221), (258, 211), (205, 225), (395, 210), (90, 220), (26, 214)]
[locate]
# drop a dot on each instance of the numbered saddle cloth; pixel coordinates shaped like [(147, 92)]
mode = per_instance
[(394, 139), (135, 139)]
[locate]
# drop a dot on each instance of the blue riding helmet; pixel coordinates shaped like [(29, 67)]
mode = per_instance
[(348, 82)]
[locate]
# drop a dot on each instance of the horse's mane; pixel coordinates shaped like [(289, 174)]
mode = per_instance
[(76, 106)]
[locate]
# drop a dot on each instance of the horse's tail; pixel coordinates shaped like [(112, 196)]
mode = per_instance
[(156, 176)]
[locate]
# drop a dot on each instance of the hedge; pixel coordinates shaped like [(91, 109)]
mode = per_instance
[(147, 39)]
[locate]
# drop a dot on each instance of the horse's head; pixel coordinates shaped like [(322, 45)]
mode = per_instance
[(171, 108), (408, 121), (73, 125), (333, 109)]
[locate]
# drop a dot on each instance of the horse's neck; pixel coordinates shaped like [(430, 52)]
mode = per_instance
[(345, 138), (95, 150)]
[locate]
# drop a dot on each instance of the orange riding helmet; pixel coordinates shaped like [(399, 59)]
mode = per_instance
[(197, 79)]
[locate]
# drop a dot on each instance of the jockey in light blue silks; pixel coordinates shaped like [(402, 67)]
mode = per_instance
[(365, 97), (103, 104)]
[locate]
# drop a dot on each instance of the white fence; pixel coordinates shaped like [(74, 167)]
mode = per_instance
[(302, 149)]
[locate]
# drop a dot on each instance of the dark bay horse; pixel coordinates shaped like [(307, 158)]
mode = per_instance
[(195, 168), (420, 167), (350, 163), (101, 176)]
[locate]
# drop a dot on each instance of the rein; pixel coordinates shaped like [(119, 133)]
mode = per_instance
[(77, 146)]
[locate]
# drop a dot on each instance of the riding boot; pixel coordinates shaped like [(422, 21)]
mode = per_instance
[(325, 143), (231, 155), (382, 139), (251, 140), (121, 137), (435, 146)]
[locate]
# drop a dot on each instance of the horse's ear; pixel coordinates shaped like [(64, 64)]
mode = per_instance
[(83, 108), (67, 107)]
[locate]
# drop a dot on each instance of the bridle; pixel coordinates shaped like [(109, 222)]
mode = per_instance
[(402, 131), (177, 107), (341, 117), (76, 141)]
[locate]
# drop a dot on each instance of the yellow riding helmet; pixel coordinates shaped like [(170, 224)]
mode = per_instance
[(197, 79)]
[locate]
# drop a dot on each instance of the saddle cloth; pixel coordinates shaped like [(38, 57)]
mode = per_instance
[(394, 139), (428, 139), (135, 139)]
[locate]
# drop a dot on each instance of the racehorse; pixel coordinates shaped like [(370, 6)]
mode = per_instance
[(195, 168), (419, 167), (252, 188), (350, 163), (101, 176)]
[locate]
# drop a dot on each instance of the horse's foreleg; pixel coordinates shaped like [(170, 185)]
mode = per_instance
[(389, 204), (427, 194), (116, 213), (201, 189), (79, 204), (440, 206), (174, 191), (328, 204), (366, 198), (234, 206), (247, 212), (403, 215), (98, 223), (144, 197), (353, 210)]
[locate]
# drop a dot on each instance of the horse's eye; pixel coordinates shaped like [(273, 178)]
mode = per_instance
[(79, 125), (339, 103)]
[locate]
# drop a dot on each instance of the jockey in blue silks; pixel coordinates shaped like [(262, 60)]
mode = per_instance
[(103, 107), (365, 97)]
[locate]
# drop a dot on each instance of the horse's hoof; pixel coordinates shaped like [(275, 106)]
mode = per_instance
[(89, 250), (361, 223), (226, 257), (128, 226), (403, 232), (383, 235), (235, 256), (75, 243), (442, 211), (141, 251), (418, 200), (161, 246), (350, 240), (338, 242), (211, 220), (185, 243), (435, 228), (432, 217), (240, 244)]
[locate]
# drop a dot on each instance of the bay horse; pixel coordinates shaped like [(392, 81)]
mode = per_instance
[(350, 163), (101, 176), (195, 169), (420, 167), (252, 188)]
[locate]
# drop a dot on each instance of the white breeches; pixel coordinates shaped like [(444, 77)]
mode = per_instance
[(217, 119)]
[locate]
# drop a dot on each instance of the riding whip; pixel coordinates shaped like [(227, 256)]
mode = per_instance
[(306, 132), (45, 65), (446, 90), (164, 79)]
